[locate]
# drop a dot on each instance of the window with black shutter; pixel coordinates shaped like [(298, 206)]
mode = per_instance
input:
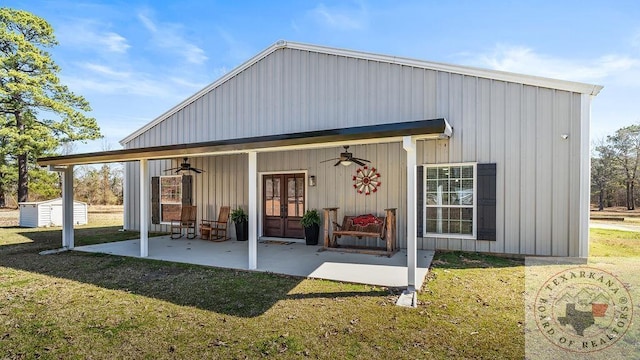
[(168, 195)]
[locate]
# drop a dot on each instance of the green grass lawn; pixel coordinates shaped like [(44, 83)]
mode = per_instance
[(79, 305), (614, 243)]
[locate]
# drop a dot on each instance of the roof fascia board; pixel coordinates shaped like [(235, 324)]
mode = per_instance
[(278, 45), (558, 84), (436, 128)]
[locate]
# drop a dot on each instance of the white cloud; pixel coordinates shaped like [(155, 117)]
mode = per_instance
[(105, 70), (114, 42), (525, 60), (88, 34), (185, 83), (168, 36), (341, 18), (102, 79)]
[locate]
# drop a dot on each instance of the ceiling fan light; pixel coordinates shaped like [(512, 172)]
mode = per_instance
[(346, 162)]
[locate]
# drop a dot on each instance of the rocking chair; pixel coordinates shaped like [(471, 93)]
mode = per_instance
[(216, 230), (187, 221)]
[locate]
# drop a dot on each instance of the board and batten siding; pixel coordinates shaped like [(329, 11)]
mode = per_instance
[(225, 182), (518, 127)]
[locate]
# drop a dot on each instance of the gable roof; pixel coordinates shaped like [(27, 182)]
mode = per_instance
[(565, 85)]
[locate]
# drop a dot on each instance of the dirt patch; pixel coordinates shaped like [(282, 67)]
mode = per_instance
[(615, 211), (105, 209)]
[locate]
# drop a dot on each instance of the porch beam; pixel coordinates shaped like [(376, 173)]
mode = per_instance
[(144, 208), (253, 210), (67, 208), (409, 145), (433, 128)]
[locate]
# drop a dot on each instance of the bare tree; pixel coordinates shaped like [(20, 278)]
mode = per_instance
[(625, 145), (604, 171)]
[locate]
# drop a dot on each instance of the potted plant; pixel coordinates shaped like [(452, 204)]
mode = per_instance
[(311, 223), (241, 221)]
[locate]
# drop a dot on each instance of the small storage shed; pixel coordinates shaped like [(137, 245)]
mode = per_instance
[(49, 213)]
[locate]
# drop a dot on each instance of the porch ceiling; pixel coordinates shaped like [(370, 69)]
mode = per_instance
[(309, 139)]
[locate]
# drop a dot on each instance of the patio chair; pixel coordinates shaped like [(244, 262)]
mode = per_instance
[(187, 221), (216, 230)]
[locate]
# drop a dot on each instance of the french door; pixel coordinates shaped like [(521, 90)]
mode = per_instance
[(283, 204)]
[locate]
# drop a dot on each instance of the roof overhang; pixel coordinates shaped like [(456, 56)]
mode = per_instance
[(434, 128)]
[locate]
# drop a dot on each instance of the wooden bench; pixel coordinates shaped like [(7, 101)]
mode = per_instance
[(384, 228)]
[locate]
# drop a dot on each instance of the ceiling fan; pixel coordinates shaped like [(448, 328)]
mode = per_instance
[(346, 158), (185, 166)]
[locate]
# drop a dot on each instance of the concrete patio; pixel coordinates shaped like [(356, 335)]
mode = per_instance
[(293, 258)]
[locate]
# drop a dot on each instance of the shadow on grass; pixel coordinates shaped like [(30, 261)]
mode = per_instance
[(232, 292), (467, 260)]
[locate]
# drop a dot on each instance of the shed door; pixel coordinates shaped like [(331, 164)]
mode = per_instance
[(283, 205), (55, 215)]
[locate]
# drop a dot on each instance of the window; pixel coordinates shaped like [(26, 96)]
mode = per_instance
[(170, 198), (450, 200)]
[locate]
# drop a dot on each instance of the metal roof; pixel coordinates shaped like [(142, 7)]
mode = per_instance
[(572, 86), (301, 140)]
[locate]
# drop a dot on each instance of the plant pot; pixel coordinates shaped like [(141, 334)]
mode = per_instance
[(242, 231), (311, 234)]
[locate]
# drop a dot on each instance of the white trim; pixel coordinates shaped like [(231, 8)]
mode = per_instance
[(261, 191), (582, 88), (585, 177), (573, 86), (474, 234)]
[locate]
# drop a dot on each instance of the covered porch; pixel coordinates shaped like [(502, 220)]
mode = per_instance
[(403, 163), (279, 256)]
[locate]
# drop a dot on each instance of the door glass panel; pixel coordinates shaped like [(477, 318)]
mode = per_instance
[(276, 197), (291, 196), (300, 195), (268, 195), (272, 196)]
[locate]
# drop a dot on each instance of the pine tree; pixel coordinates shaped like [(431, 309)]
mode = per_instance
[(39, 112)]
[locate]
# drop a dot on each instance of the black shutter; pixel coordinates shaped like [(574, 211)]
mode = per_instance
[(420, 195), (155, 200), (486, 202), (187, 185)]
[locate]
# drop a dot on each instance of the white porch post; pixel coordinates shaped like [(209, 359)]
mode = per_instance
[(67, 208), (253, 210), (409, 145), (144, 208)]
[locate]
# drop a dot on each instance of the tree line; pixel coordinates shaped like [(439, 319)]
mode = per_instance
[(95, 185), (614, 169)]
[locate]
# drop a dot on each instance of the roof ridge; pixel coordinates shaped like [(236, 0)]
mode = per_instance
[(524, 79)]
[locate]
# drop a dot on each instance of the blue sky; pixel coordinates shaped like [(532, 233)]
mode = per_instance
[(133, 60)]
